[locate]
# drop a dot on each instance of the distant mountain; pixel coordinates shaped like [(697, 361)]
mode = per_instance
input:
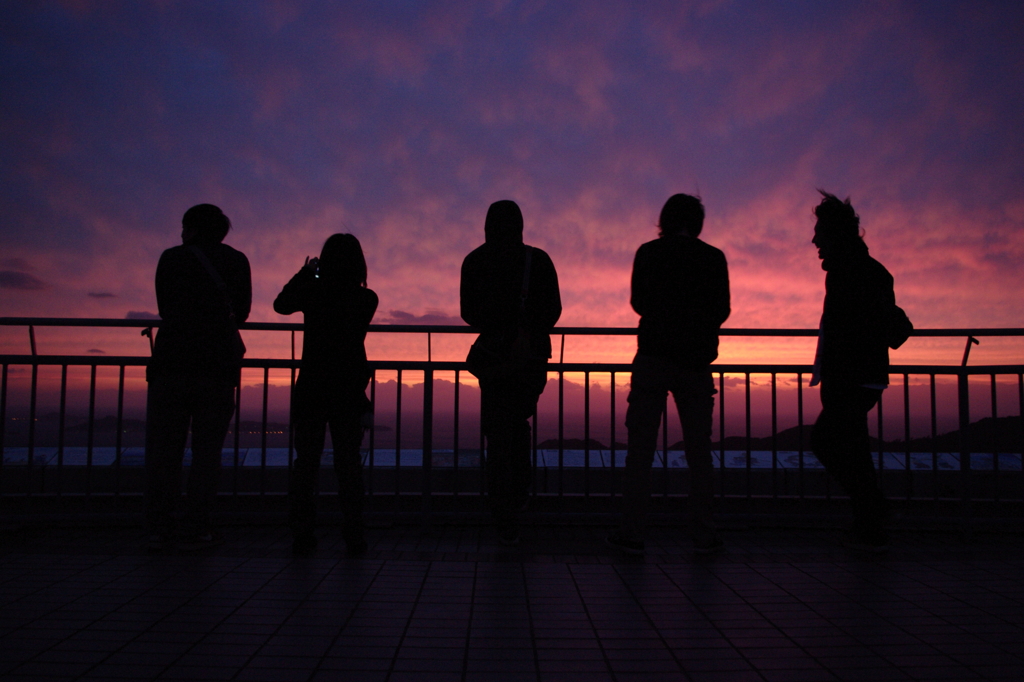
[(1001, 434)]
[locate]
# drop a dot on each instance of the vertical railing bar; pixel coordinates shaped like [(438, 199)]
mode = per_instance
[(964, 418), (935, 445), (586, 434), (800, 432), (483, 460), (881, 438), (721, 433), (906, 436), (33, 396), (120, 428), (90, 432), (291, 412), (775, 439), (611, 445), (373, 431), (60, 428), (427, 446), (995, 442), (533, 453), (561, 426), (1020, 413), (747, 437), (3, 422), (264, 409), (237, 440), (398, 442), (263, 422), (664, 445), (455, 438)]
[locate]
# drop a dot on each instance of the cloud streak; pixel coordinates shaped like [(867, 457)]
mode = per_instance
[(402, 125)]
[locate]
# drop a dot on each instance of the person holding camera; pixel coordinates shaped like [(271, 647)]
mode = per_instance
[(331, 293)]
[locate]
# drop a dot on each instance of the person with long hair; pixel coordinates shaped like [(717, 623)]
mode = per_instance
[(331, 293), (851, 364)]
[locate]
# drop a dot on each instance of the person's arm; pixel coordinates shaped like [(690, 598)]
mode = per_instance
[(546, 305), (471, 304), (242, 304), (639, 287), (721, 305), (293, 297), (171, 301)]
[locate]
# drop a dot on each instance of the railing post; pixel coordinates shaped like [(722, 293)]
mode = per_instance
[(428, 441), (963, 400)]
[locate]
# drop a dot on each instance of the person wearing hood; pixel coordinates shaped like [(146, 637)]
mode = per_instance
[(851, 363), (337, 307), (509, 292)]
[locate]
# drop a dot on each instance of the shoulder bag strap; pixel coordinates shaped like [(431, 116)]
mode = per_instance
[(218, 280)]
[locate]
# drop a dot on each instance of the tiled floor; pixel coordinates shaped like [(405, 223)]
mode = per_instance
[(451, 604)]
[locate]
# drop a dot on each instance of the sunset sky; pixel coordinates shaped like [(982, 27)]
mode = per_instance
[(400, 122)]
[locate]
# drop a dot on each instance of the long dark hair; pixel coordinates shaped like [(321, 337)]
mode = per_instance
[(342, 261)]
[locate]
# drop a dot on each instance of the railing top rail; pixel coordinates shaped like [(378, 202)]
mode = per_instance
[(462, 329), (449, 365)]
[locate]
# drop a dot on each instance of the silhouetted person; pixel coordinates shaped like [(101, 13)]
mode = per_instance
[(515, 346), (331, 389), (680, 288), (203, 291), (851, 363)]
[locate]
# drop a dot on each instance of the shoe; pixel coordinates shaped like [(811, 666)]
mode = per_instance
[(355, 543), (708, 545), (508, 535), (304, 544), (631, 546), (158, 542), (200, 541), (876, 542)]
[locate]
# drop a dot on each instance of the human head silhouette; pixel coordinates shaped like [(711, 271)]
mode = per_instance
[(504, 223), (837, 230), (204, 224), (342, 261), (681, 214)]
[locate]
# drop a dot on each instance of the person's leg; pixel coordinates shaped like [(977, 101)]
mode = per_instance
[(840, 441), (213, 404), (167, 419), (694, 393), (647, 394), (347, 436), (309, 420), (506, 406)]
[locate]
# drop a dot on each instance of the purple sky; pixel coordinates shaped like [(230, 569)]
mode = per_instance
[(400, 122)]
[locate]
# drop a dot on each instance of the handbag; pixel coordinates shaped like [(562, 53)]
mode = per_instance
[(898, 327)]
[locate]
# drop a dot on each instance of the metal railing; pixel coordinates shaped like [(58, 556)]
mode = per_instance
[(442, 467)]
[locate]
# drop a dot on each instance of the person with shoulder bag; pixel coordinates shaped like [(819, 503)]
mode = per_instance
[(203, 292), (860, 322), (509, 292)]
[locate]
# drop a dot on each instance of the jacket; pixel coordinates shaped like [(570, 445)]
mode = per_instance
[(680, 289)]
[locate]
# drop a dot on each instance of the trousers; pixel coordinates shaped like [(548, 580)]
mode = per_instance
[(653, 378), (841, 443), (173, 405), (317, 404), (506, 405)]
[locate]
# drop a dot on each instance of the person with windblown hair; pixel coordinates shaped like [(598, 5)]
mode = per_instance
[(331, 293), (851, 364)]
